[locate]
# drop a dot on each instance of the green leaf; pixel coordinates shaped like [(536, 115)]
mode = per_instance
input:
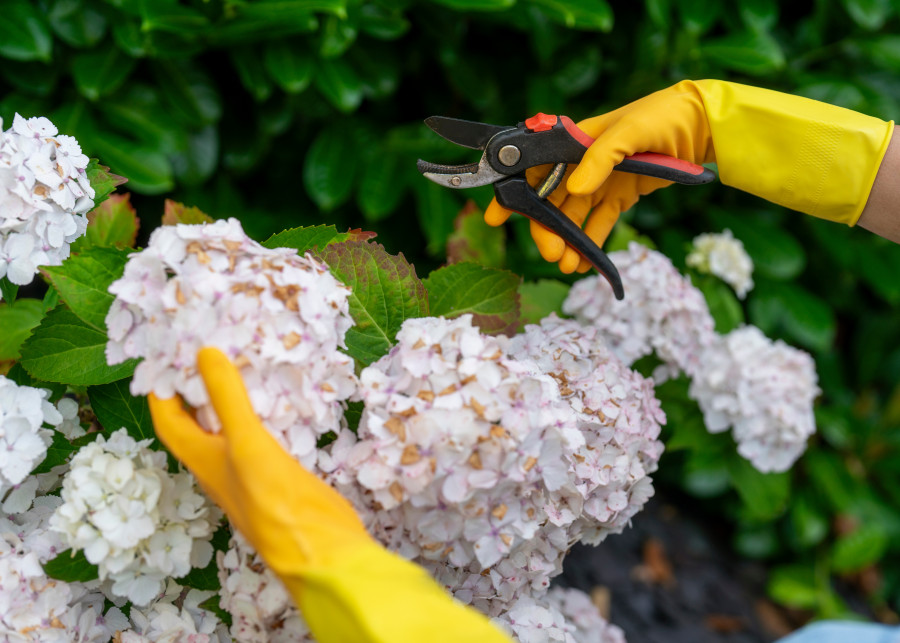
[(102, 180), (756, 53), (306, 238), (808, 524), (100, 72), (490, 295), (883, 51), (112, 224), (386, 292), (175, 213), (276, 10), (436, 208), (8, 290), (723, 304), (24, 33), (337, 35), (65, 349), (382, 186), (759, 15), (252, 72), (290, 67), (57, 453), (21, 377), (844, 94), (698, 16), (579, 74), (117, 408), (77, 23), (330, 167), (787, 307), (83, 281), (17, 320), (197, 160), (622, 235), (540, 298), (477, 5), (382, 22), (71, 567), (869, 14), (474, 240), (339, 84), (794, 586), (860, 548), (189, 93), (594, 15), (147, 168), (765, 495)]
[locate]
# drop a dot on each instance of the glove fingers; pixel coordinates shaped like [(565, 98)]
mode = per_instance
[(550, 245), (496, 214), (576, 208)]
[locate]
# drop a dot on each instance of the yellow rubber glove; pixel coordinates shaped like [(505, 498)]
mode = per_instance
[(799, 153), (348, 587)]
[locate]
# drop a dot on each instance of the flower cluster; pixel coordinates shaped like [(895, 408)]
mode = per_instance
[(723, 256), (662, 312), (44, 196), (34, 607), (135, 521), (563, 614), (618, 415), (764, 391), (279, 316), (23, 440), (164, 621)]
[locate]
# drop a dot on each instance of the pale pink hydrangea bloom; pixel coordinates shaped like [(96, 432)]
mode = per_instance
[(138, 523), (662, 312), (763, 391), (164, 621), (279, 316), (34, 607), (23, 439), (619, 416), (44, 196), (722, 255), (261, 609)]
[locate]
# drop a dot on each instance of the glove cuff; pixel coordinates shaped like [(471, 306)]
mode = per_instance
[(800, 153)]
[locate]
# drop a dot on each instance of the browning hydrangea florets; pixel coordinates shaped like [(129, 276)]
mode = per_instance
[(44, 196), (279, 316)]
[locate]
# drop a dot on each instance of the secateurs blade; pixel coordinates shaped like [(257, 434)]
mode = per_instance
[(543, 139)]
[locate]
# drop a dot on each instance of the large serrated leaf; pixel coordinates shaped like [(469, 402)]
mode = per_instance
[(83, 281), (17, 321), (386, 292), (67, 350), (306, 238), (117, 408), (175, 213), (102, 180), (112, 224), (491, 295), (474, 240)]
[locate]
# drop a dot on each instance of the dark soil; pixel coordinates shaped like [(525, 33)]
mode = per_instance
[(670, 579)]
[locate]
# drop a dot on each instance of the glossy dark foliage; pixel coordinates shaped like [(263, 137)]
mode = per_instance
[(298, 112)]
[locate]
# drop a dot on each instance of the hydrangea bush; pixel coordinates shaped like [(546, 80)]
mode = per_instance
[(480, 444)]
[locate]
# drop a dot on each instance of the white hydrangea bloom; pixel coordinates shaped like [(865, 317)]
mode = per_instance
[(281, 317), (138, 523), (618, 414), (34, 607), (261, 609), (764, 391), (23, 440), (164, 621), (44, 197), (723, 256), (662, 311)]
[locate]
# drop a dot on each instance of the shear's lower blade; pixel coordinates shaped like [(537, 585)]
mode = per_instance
[(460, 176), (466, 133)]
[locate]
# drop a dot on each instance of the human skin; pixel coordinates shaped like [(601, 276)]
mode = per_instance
[(882, 212)]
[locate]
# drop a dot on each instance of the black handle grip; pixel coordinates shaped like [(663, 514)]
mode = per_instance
[(666, 167), (516, 194)]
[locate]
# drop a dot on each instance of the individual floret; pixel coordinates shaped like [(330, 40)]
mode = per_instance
[(763, 391), (662, 312), (138, 523), (279, 316)]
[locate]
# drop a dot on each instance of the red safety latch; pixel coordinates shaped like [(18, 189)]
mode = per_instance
[(540, 122)]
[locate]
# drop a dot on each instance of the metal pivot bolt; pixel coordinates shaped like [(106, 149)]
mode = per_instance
[(509, 155)]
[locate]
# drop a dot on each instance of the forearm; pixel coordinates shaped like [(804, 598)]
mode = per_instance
[(882, 212)]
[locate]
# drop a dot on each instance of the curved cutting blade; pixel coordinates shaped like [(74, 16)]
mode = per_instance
[(460, 176), (466, 133)]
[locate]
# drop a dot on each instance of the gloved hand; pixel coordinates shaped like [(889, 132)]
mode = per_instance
[(799, 153), (348, 587)]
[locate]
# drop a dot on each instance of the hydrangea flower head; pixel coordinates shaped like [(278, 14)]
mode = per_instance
[(562, 614), (722, 255), (44, 197), (764, 391), (138, 523), (279, 316)]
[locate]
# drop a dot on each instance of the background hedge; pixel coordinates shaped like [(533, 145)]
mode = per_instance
[(294, 112)]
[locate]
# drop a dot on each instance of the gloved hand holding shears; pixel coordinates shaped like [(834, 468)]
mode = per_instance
[(799, 153)]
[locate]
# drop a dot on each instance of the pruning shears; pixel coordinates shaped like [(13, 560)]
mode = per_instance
[(543, 139)]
